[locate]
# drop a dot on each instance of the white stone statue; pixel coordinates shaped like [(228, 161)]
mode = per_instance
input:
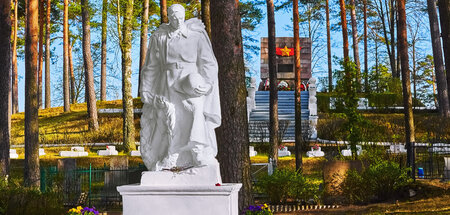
[(179, 89), (312, 104)]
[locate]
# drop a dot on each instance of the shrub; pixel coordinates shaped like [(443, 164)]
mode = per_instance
[(386, 178), (380, 181), (16, 199), (286, 184)]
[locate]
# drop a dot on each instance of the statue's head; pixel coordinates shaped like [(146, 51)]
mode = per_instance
[(176, 14)]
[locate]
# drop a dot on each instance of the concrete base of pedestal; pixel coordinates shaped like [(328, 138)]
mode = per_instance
[(180, 199)]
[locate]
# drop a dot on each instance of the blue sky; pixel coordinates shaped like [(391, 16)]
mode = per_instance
[(283, 29)]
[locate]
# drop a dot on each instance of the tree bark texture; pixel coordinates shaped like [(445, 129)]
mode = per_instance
[(31, 169), (15, 91), (344, 29), (103, 52), (414, 94), (88, 68), (41, 50), (273, 99), (144, 32), (232, 135), (366, 67), (444, 16), (5, 82), (163, 11), (73, 95), (206, 16), (433, 80), (66, 85), (355, 40), (330, 69), (48, 103), (444, 108), (395, 66), (406, 84), (298, 82), (127, 98)]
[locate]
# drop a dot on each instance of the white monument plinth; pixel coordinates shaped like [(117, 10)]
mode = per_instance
[(136, 153), (283, 152), (76, 151), (252, 151), (13, 154), (193, 191), (315, 152), (110, 150), (175, 199), (348, 152), (41, 152)]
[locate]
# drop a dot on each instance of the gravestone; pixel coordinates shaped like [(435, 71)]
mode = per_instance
[(67, 164), (333, 175), (71, 183), (116, 177), (118, 162)]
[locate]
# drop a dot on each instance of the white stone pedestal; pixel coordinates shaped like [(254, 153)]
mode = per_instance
[(183, 200)]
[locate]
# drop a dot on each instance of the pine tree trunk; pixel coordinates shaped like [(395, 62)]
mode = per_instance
[(31, 169), (41, 50), (5, 82), (433, 81), (376, 68), (206, 16), (47, 58), (88, 67), (395, 66), (444, 16), (15, 92), (386, 40), (414, 73), (73, 94), (444, 108), (330, 69), (103, 60), (355, 40), (66, 84), (366, 67), (273, 99), (344, 29), (144, 32), (163, 11), (232, 136), (406, 83), (119, 28), (298, 82), (127, 98)]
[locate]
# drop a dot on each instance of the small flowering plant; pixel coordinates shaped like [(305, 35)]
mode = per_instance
[(281, 147), (82, 211), (316, 147), (257, 210)]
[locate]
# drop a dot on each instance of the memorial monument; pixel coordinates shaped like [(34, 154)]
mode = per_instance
[(179, 89)]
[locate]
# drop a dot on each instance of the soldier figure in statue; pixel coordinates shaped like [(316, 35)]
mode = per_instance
[(179, 89)]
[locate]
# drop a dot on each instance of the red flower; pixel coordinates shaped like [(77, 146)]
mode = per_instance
[(218, 185)]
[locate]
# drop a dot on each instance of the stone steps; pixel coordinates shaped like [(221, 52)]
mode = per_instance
[(259, 117)]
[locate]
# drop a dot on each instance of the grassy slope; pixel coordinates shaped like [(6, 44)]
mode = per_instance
[(57, 127)]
